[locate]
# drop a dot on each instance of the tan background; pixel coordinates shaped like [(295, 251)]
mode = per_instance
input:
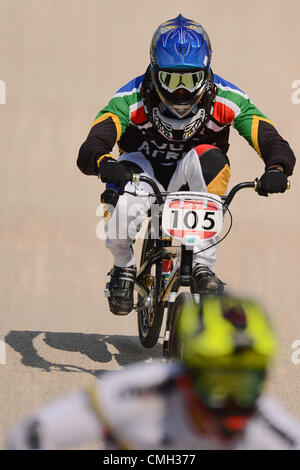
[(61, 61)]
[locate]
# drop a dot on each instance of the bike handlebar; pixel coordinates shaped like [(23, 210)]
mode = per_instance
[(251, 184), (227, 199), (136, 178)]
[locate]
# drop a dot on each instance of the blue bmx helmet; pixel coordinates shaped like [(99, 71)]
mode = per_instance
[(180, 55)]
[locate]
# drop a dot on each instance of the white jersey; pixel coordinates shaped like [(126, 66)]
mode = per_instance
[(141, 407)]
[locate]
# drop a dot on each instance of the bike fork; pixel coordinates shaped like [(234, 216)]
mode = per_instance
[(185, 279)]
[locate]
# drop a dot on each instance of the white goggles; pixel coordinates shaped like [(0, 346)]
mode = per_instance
[(172, 81)]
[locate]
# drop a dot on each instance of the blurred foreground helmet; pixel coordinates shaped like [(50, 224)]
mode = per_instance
[(180, 56), (227, 347)]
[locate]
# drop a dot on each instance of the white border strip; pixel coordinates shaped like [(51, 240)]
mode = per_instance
[(2, 352), (234, 90), (126, 93), (2, 92), (235, 108), (136, 106)]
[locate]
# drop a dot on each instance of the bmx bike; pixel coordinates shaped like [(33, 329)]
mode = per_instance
[(186, 218)]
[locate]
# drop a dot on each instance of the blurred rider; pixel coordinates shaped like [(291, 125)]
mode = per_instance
[(211, 400), (172, 123)]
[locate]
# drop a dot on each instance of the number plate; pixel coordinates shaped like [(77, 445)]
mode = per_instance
[(192, 218)]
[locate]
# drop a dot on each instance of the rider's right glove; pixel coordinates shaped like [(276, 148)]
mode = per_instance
[(111, 171), (273, 181)]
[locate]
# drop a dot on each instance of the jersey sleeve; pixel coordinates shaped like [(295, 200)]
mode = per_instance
[(59, 425), (254, 126), (280, 427), (109, 126)]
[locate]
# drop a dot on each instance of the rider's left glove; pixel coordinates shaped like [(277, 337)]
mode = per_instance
[(111, 171), (272, 181)]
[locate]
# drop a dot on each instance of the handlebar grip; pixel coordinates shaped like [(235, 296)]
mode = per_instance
[(110, 196), (112, 192), (257, 185)]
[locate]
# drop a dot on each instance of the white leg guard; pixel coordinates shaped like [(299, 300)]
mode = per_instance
[(123, 225), (207, 257), (189, 171), (129, 215)]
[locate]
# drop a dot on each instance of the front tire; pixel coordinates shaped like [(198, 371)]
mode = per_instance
[(149, 323), (175, 346)]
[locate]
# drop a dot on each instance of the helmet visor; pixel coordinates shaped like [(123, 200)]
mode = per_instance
[(217, 387), (172, 81)]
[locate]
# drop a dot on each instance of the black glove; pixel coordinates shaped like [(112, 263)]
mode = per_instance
[(110, 196), (272, 181), (111, 171)]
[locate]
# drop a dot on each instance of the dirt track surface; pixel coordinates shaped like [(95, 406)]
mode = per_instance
[(61, 61)]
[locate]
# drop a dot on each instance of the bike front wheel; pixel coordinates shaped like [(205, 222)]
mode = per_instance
[(150, 319), (175, 344)]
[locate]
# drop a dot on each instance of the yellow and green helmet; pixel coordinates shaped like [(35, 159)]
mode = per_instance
[(225, 332)]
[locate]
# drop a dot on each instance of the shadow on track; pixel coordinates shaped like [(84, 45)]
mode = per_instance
[(94, 346)]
